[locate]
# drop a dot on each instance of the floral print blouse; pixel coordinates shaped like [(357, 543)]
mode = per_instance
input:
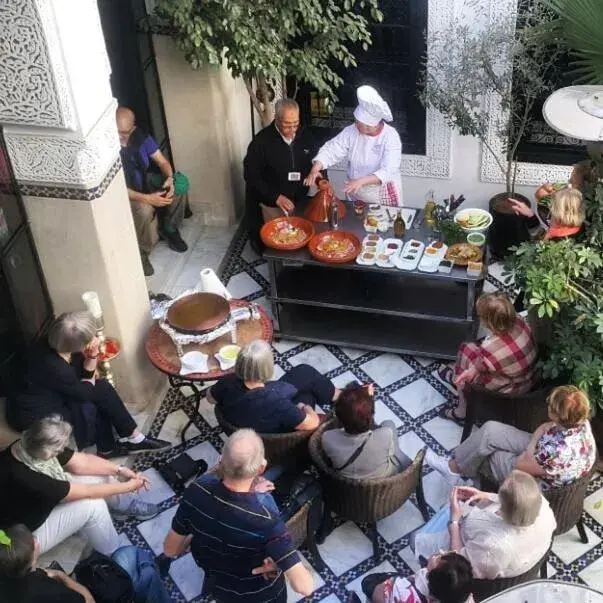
[(566, 454)]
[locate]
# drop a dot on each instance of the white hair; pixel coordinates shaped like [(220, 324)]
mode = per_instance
[(47, 437), (72, 332), (283, 104), (520, 499), (255, 362), (242, 455)]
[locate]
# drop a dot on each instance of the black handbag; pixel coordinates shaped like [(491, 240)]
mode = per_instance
[(178, 470), (107, 581)]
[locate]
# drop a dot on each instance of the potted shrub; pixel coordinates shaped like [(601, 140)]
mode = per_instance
[(563, 283), (466, 65)]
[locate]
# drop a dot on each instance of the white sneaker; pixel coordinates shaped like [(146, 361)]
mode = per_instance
[(440, 464)]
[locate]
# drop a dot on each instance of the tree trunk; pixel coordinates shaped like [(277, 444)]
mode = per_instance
[(260, 99)]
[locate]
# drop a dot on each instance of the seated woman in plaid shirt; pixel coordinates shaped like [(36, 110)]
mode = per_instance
[(504, 361)]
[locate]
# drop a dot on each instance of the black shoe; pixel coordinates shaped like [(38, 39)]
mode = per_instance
[(147, 267), (119, 450), (149, 444), (174, 240), (187, 211), (370, 582)]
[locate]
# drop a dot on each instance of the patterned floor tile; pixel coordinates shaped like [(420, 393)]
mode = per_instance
[(172, 428), (405, 520), (568, 547), (417, 398), (155, 530), (241, 285), (317, 356), (386, 369), (410, 444), (593, 575), (292, 596), (345, 547), (188, 576), (445, 432)]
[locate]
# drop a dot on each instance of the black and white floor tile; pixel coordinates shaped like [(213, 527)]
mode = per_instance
[(407, 393)]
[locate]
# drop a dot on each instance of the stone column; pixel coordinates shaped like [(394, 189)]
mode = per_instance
[(59, 125)]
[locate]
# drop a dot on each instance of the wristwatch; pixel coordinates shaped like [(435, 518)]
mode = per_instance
[(452, 521)]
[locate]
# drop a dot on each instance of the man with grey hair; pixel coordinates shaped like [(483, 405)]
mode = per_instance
[(234, 527), (277, 161)]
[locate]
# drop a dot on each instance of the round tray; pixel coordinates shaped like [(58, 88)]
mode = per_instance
[(270, 228), (341, 235), (463, 262), (198, 313)]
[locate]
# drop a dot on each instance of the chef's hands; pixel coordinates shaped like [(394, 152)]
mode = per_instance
[(310, 179), (352, 186), (285, 203), (520, 209)]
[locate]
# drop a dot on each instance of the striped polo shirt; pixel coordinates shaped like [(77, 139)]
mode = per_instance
[(233, 532)]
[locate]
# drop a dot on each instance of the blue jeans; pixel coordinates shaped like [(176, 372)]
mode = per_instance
[(140, 566)]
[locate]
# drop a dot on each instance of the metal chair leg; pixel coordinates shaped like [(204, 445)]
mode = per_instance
[(421, 500), (375, 540), (325, 525), (582, 531)]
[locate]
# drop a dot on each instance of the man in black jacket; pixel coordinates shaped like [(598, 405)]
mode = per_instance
[(277, 161)]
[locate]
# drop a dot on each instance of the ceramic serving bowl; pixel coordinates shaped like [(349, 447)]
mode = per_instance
[(481, 219)]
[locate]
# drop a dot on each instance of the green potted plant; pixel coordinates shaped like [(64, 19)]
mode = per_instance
[(501, 61)]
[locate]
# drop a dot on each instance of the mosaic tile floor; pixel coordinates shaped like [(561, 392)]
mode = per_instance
[(408, 394)]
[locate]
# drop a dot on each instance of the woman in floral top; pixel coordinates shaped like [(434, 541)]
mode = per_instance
[(558, 452)]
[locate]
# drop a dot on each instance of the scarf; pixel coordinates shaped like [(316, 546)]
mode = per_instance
[(559, 232), (52, 468)]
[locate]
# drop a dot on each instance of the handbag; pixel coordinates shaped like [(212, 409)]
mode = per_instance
[(107, 581), (178, 470)]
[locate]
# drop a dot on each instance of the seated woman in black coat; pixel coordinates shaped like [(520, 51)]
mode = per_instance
[(60, 378), (247, 398)]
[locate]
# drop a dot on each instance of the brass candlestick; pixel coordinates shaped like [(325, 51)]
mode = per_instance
[(104, 366)]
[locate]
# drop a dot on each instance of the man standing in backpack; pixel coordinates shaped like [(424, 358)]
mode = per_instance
[(156, 210)]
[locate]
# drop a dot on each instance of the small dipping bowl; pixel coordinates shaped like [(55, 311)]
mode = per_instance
[(359, 207), (227, 356), (476, 238)]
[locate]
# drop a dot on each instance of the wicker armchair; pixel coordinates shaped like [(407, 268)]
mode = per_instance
[(482, 589), (525, 411), (280, 448), (567, 503), (303, 527), (365, 501)]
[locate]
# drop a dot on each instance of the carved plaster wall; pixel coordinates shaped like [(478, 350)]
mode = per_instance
[(527, 173), (57, 107), (437, 162)]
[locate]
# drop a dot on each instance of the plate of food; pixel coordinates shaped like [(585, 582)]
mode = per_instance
[(287, 234), (410, 255), (334, 247), (473, 219), (366, 258), (463, 253)]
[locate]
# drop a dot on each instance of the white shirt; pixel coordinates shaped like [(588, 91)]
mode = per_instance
[(379, 155)]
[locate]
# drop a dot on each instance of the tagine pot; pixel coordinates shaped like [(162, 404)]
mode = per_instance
[(319, 209)]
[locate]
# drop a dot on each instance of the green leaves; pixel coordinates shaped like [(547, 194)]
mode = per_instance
[(269, 39), (4, 539)]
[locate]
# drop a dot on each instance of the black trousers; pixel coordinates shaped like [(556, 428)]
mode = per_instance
[(313, 387), (111, 413)]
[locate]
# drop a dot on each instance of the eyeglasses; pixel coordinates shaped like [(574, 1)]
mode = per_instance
[(288, 125)]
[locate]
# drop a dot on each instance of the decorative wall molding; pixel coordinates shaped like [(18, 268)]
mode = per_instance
[(527, 173), (65, 159), (75, 193), (437, 161), (36, 90)]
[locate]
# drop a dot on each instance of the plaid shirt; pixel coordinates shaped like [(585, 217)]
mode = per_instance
[(505, 363)]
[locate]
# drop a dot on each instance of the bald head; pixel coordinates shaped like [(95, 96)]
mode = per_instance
[(243, 455), (126, 124)]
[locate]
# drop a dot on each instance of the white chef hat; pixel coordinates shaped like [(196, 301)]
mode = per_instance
[(371, 107)]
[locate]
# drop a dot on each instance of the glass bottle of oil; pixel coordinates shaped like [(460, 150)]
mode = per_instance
[(399, 226), (430, 205)]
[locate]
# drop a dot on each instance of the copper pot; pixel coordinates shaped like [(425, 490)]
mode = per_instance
[(319, 209), (198, 313)]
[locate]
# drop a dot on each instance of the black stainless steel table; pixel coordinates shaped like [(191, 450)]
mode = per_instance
[(369, 307)]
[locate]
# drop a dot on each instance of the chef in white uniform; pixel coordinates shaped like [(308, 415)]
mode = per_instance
[(372, 150)]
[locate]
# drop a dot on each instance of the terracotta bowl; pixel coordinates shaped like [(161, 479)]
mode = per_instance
[(318, 253), (270, 229), (198, 313)]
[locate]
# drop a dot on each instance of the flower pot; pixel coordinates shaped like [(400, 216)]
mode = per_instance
[(507, 229)]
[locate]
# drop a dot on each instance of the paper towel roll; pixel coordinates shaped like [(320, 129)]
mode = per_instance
[(92, 301), (210, 283)]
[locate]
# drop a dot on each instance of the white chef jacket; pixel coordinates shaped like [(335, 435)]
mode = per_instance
[(366, 155)]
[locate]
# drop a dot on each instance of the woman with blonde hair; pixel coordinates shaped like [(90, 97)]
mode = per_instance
[(504, 361), (567, 214), (502, 535), (558, 453)]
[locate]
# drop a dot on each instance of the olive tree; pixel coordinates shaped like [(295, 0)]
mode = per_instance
[(266, 41)]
